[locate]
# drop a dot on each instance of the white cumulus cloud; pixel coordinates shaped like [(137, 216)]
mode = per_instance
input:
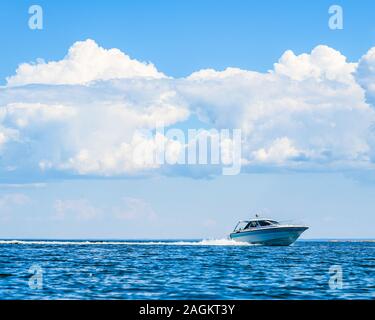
[(323, 63), (86, 114), (280, 150), (311, 99), (85, 62), (76, 209), (365, 74)]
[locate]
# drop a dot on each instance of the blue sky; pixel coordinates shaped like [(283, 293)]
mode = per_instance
[(184, 36), (314, 165)]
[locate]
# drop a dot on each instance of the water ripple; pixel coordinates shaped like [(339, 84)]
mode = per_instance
[(208, 269)]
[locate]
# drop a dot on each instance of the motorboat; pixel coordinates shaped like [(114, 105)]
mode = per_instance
[(267, 232)]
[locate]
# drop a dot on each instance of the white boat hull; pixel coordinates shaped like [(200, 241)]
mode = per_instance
[(271, 236)]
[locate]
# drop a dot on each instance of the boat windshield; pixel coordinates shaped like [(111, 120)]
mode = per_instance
[(260, 223), (244, 225), (252, 224), (240, 226), (266, 223), (273, 221)]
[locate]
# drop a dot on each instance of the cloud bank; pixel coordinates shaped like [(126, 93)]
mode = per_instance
[(85, 115), (85, 62)]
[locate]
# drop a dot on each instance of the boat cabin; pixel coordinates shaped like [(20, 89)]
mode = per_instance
[(255, 223)]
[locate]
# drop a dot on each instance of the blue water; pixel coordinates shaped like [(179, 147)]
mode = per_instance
[(214, 269)]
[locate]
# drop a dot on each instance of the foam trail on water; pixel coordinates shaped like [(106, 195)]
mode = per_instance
[(222, 242), (206, 242)]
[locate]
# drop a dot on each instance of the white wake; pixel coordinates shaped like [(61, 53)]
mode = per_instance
[(206, 242)]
